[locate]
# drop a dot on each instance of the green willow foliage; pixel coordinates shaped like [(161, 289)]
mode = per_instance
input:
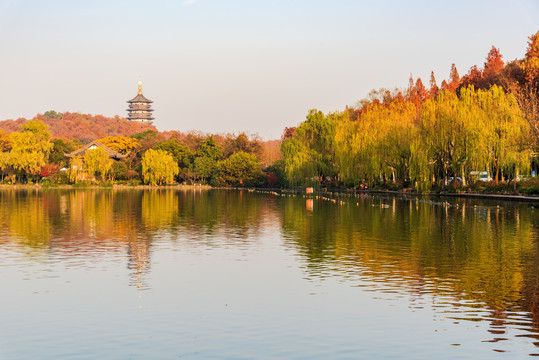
[(30, 147), (311, 153), (399, 142), (158, 167), (98, 163)]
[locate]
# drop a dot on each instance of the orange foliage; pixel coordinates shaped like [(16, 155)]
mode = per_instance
[(271, 152), (83, 127), (530, 64), (5, 141), (433, 92), (49, 169)]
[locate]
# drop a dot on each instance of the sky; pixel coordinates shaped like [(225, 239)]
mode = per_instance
[(257, 66)]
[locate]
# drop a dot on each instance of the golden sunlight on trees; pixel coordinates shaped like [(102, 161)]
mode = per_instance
[(30, 147), (159, 167), (97, 163), (310, 153), (530, 64), (415, 141), (5, 141), (121, 144)]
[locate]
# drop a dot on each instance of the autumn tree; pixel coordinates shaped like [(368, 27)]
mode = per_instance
[(182, 154), (60, 147), (241, 142), (377, 145), (146, 140), (297, 160), (5, 141), (454, 78), (311, 152), (443, 138), (506, 130), (97, 163), (433, 91), (288, 133), (473, 78), (121, 144), (76, 168), (158, 167), (530, 64), (30, 147), (491, 74), (494, 65), (418, 93), (5, 163)]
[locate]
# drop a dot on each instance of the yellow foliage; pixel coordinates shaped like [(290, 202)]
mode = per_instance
[(121, 144)]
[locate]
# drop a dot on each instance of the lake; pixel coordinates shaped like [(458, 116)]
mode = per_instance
[(229, 274)]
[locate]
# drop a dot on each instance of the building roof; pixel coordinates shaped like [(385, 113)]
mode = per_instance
[(140, 99), (94, 145), (140, 108)]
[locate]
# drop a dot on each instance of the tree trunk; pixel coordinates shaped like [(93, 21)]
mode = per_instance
[(496, 173), (515, 179)]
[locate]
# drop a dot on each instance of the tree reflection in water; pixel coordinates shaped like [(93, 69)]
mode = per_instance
[(474, 260), (469, 259)]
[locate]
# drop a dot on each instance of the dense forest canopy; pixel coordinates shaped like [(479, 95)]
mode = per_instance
[(81, 127)]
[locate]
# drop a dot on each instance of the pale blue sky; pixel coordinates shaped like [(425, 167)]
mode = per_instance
[(234, 65)]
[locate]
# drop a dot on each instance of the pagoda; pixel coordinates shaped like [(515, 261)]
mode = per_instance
[(140, 108)]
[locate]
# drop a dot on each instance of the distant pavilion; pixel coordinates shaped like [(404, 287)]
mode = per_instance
[(140, 108), (113, 154)]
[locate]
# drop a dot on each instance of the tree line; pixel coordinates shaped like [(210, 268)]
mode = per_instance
[(31, 154), (485, 121)]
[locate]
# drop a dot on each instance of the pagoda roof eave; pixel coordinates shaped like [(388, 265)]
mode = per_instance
[(140, 98)]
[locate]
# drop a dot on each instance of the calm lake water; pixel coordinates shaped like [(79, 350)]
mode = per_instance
[(163, 274)]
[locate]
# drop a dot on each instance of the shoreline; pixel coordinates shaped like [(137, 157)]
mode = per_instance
[(492, 196), (509, 197), (93, 187)]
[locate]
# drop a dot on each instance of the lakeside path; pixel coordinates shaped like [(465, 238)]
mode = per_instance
[(507, 197)]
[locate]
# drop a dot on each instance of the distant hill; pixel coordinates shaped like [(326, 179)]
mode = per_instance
[(83, 127)]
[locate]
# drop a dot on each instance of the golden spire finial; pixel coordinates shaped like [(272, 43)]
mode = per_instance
[(139, 86)]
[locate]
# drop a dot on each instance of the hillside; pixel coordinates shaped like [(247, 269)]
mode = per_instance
[(83, 127)]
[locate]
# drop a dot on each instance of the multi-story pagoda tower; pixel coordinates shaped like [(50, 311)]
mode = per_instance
[(140, 107)]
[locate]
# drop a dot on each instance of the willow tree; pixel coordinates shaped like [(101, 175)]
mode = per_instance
[(311, 152), (158, 167), (348, 147), (30, 147), (506, 131), (297, 161), (5, 163), (357, 145), (443, 135), (76, 165), (397, 121), (377, 145), (97, 163)]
